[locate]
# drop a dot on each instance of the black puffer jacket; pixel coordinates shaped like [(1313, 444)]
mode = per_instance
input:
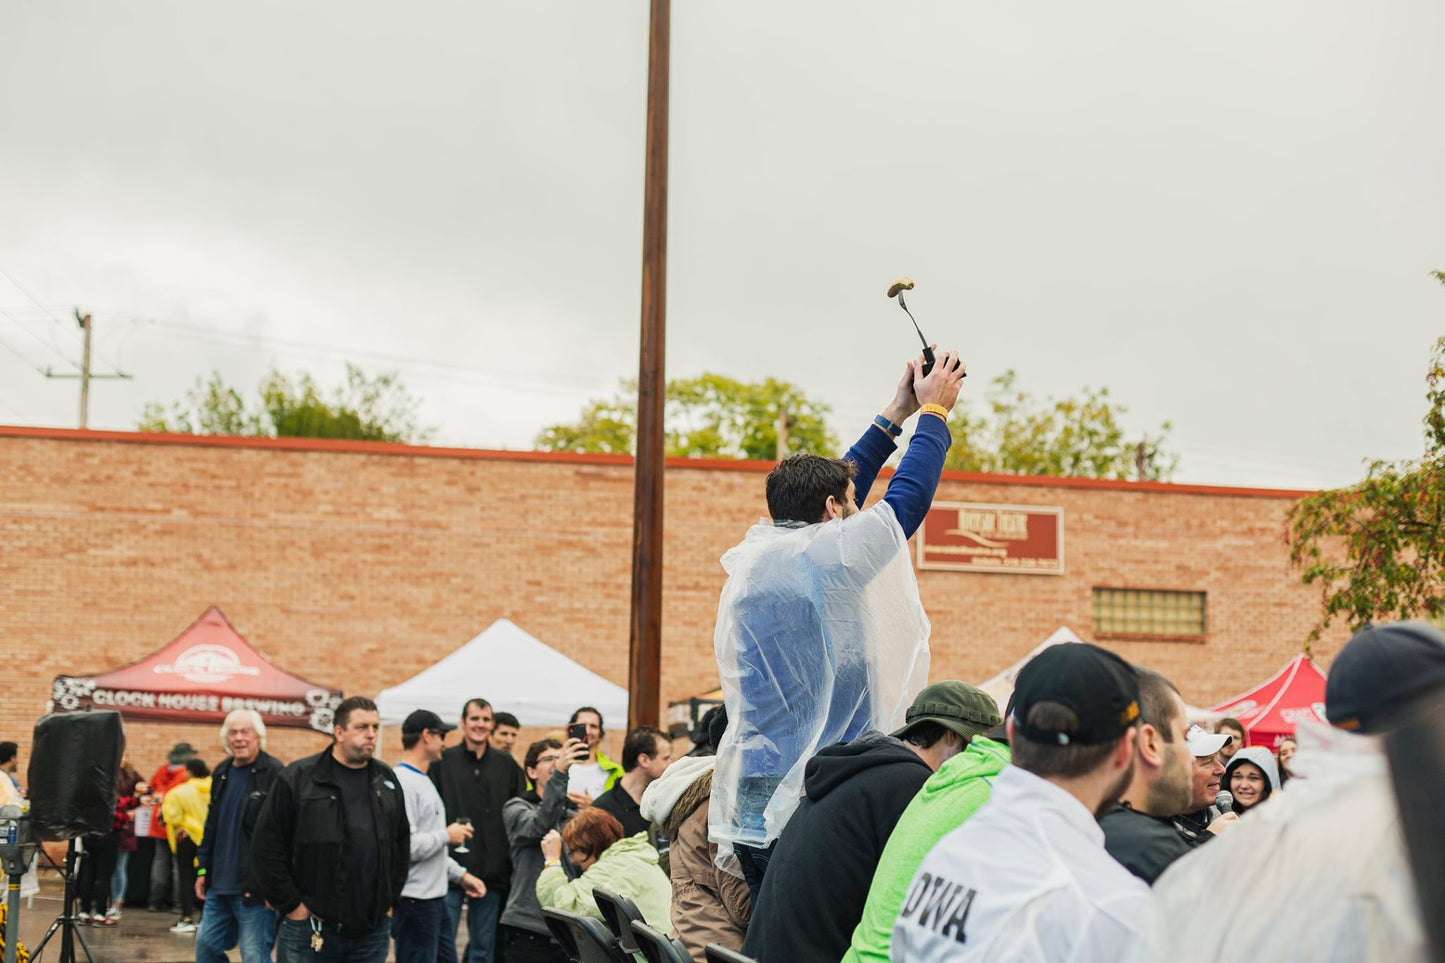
[(301, 838)]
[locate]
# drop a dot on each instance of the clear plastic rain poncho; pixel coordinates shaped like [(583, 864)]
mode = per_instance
[(820, 637)]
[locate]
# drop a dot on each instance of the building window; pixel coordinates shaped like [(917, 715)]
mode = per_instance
[(1148, 613)]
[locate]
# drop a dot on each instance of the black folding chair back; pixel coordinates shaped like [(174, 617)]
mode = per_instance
[(619, 913), (659, 947), (557, 922), (721, 954), (587, 937)]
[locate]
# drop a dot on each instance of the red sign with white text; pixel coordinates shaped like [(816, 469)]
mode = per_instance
[(967, 537)]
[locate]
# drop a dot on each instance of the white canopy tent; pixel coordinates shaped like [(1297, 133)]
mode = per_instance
[(514, 671), (1001, 686)]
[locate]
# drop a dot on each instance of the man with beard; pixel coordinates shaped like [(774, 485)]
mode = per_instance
[(1138, 831), (1028, 877)]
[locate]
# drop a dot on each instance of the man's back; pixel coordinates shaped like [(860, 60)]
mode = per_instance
[(1026, 878), (1339, 829), (818, 878), (951, 795), (820, 637)]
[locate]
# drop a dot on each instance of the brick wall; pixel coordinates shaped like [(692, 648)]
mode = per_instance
[(359, 565)]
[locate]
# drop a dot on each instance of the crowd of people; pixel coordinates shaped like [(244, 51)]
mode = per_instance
[(836, 807)]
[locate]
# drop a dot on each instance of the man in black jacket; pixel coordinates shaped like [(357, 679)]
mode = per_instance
[(818, 878), (475, 782), (332, 846), (226, 874), (1139, 831)]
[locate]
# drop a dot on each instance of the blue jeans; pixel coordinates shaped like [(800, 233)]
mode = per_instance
[(753, 861), (481, 926), (228, 921), (416, 926), (293, 944), (118, 879)]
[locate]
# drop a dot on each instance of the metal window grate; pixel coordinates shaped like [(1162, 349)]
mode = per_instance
[(1148, 612)]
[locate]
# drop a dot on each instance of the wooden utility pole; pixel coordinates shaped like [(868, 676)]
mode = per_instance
[(85, 374), (645, 642)]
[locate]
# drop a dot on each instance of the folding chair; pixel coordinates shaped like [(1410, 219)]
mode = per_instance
[(721, 954), (593, 941), (659, 947), (556, 921), (618, 912)]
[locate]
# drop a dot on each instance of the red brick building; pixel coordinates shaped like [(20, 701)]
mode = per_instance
[(358, 564)]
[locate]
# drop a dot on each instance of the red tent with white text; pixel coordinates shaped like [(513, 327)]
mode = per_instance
[(200, 676), (1271, 710)]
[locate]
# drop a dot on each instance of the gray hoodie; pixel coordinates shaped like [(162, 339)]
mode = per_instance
[(1262, 758)]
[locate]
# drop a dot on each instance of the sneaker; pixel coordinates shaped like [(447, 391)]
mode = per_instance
[(113, 914), (183, 926), (107, 920)]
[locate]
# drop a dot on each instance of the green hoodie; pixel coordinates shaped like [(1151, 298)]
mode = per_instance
[(951, 795), (629, 867)]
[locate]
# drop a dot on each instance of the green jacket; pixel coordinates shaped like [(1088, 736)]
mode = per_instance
[(628, 867), (613, 770), (950, 796)]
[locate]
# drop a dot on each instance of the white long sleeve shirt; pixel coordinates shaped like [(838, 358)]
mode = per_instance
[(431, 866), (1025, 879)]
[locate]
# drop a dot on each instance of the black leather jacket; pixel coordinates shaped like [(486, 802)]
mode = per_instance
[(302, 835)]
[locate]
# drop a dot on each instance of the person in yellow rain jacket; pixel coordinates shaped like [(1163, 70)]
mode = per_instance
[(184, 810)]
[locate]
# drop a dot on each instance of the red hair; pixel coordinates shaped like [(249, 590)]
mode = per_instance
[(591, 831)]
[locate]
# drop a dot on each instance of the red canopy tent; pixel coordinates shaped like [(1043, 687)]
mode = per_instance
[(205, 673), (1271, 711)]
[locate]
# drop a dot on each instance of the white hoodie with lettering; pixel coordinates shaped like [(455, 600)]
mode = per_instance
[(1026, 878)]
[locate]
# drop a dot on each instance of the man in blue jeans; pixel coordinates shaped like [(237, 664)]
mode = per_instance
[(475, 782), (225, 872), (332, 846), (820, 632), (421, 915)]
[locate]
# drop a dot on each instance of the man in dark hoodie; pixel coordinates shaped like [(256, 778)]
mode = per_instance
[(818, 879)]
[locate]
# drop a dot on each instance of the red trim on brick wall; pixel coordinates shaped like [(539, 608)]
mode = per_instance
[(584, 458)]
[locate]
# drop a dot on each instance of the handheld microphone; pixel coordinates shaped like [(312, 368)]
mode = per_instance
[(1224, 801)]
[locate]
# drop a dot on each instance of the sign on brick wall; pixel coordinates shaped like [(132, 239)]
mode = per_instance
[(967, 537)]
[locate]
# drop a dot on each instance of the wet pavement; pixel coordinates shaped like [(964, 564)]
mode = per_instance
[(141, 936)]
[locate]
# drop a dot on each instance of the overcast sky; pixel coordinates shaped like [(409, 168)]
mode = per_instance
[(1225, 213)]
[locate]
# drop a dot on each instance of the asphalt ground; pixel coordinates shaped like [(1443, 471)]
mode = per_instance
[(141, 936)]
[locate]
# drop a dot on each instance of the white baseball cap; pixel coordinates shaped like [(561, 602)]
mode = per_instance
[(1203, 743)]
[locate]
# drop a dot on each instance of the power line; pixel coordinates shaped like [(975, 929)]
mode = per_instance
[(28, 362), (39, 340)]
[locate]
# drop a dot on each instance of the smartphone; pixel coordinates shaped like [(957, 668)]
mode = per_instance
[(578, 731)]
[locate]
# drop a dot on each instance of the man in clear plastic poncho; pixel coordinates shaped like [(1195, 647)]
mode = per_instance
[(820, 632)]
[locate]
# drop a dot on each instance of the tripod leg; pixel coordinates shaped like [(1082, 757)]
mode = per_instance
[(35, 951), (80, 936)]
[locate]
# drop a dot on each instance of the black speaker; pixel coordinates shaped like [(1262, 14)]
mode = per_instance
[(74, 765)]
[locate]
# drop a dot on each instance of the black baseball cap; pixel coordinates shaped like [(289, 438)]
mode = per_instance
[(1380, 671), (1098, 686), (424, 720)]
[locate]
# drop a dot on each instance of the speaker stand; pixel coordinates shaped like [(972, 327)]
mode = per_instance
[(67, 922)]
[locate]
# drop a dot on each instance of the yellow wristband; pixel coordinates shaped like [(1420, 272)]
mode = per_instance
[(938, 410)]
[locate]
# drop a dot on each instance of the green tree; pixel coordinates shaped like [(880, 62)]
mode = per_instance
[(1377, 549), (1079, 437), (364, 408), (710, 416)]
